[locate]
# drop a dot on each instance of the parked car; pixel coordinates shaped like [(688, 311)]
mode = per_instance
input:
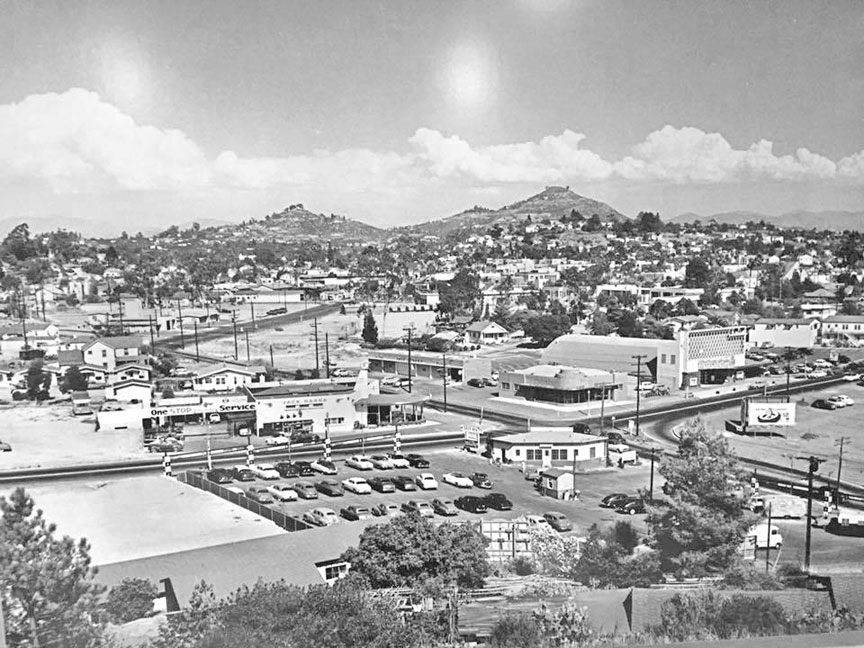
[(304, 468), (264, 471), (426, 481), (423, 509), (471, 504), (558, 521), (236, 490), (614, 499), (825, 404), (354, 512), (841, 400), (330, 487), (277, 440), (259, 494), (220, 476), (282, 492), (539, 523), (243, 474), (305, 490), (404, 483), (398, 460), (324, 466), (5, 447), (359, 462), (417, 461), (498, 502), (444, 507), (300, 436), (321, 517), (381, 462), (476, 382), (287, 469), (615, 438), (480, 480), (457, 479), (631, 506), (382, 484), (167, 444), (357, 485), (386, 509), (490, 382)]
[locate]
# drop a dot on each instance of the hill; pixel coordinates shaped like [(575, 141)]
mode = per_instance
[(552, 202), (297, 223), (832, 220)]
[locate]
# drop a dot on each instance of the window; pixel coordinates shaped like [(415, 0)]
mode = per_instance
[(334, 421), (533, 455), (505, 385), (592, 452), (104, 353), (662, 358), (672, 358), (559, 454), (516, 452)]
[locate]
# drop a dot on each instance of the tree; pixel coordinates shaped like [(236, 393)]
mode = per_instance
[(370, 329), (73, 380), (409, 551), (545, 328), (131, 599), (629, 325), (516, 631), (649, 223), (38, 380), (697, 274), (461, 295), (701, 524), (49, 597), (186, 628)]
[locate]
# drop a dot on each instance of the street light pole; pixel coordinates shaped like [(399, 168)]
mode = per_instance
[(444, 364), (410, 330), (651, 482), (638, 358), (812, 469)]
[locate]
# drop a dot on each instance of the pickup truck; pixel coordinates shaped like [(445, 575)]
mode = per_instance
[(620, 454)]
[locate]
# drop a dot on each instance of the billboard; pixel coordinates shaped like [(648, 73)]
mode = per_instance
[(770, 413)]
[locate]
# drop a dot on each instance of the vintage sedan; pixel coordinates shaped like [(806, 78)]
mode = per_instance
[(357, 485), (457, 479)]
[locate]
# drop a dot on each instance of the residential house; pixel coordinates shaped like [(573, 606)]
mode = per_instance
[(108, 352), (225, 377), (486, 332)]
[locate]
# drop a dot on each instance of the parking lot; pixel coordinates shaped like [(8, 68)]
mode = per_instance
[(505, 479)]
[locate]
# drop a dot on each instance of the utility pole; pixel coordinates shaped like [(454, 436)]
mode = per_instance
[(23, 309), (842, 441), (272, 364), (812, 469), (317, 359), (152, 341), (410, 330), (638, 358), (603, 408), (234, 322), (327, 353), (252, 305), (119, 306), (651, 482), (246, 331), (444, 377), (788, 355), (180, 317), (197, 357), (768, 548)]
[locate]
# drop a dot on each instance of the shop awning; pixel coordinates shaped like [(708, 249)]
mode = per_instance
[(392, 400)]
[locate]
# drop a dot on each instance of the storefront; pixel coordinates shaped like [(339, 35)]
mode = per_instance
[(390, 409)]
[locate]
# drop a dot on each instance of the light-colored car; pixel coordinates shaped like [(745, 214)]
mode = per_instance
[(853, 377), (424, 509), (381, 462), (841, 400), (321, 517), (359, 462), (457, 479), (398, 460), (386, 509), (558, 521), (426, 481), (539, 523), (282, 493), (214, 418), (277, 441), (323, 466), (264, 471), (305, 490), (236, 490), (357, 485)]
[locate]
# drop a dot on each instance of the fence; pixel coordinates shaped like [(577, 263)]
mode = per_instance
[(287, 522)]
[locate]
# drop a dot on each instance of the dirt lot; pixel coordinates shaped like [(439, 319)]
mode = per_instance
[(44, 436)]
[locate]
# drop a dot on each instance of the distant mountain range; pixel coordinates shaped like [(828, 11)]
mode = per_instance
[(833, 220), (88, 228), (552, 202)]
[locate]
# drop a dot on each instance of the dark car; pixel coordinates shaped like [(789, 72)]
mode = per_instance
[(481, 480), (219, 476), (581, 428), (476, 382), (444, 507), (304, 468), (404, 483), (287, 469), (471, 503), (382, 484), (304, 437), (615, 437), (558, 521), (417, 461), (243, 474), (355, 512), (330, 487), (498, 502), (612, 501), (305, 490), (822, 403), (631, 506)]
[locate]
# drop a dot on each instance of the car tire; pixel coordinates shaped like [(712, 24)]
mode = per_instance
[(631, 512)]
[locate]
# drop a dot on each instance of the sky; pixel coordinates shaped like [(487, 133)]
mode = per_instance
[(138, 114)]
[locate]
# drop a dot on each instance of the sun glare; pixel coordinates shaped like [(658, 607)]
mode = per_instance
[(470, 75)]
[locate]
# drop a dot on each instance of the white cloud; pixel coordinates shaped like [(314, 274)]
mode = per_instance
[(77, 142)]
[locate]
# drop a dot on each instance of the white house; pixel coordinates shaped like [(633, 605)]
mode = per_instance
[(108, 352), (129, 391), (486, 333), (225, 377)]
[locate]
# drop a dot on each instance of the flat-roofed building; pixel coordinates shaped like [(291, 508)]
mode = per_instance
[(546, 447), (561, 384)]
